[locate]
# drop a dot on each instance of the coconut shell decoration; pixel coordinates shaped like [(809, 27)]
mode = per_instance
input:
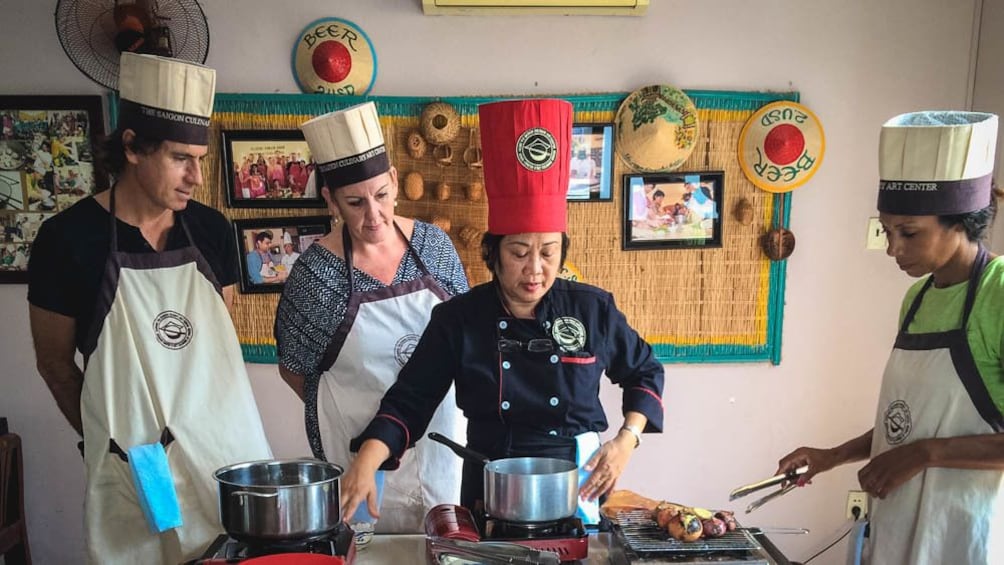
[(778, 243), (416, 145), (473, 157), (442, 222), (414, 186), (443, 154), (744, 212), (442, 191), (475, 191), (440, 123), (471, 236)]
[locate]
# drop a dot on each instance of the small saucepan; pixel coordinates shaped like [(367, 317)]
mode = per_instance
[(275, 501), (524, 489)]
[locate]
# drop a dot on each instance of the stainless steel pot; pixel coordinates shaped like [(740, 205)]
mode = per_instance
[(279, 500), (524, 489)]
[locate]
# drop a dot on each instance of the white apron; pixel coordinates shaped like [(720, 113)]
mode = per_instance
[(375, 340), (932, 389), (162, 354)]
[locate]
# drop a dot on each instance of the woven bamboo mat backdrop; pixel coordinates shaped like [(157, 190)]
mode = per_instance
[(693, 305)]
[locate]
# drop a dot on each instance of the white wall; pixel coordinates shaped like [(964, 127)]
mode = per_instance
[(856, 63), (988, 86)]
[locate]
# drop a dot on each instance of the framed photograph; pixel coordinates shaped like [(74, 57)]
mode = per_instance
[(46, 165), (591, 175), (270, 169), (673, 210), (269, 247)]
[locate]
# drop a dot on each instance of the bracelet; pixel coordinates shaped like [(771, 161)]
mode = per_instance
[(635, 431)]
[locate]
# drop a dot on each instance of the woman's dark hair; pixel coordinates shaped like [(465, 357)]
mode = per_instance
[(491, 247), (110, 156), (975, 224)]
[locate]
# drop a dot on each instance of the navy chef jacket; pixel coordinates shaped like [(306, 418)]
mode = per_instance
[(522, 388)]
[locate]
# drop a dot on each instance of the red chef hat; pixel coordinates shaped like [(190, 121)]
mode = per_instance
[(527, 148)]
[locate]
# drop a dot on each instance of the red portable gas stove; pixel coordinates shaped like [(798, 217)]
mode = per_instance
[(566, 537), (225, 549)]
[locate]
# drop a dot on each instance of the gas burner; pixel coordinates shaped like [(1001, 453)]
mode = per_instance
[(507, 530), (567, 537), (226, 549)]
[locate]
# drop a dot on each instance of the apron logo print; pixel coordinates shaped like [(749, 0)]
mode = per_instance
[(898, 423), (404, 348), (536, 149), (569, 333), (173, 330)]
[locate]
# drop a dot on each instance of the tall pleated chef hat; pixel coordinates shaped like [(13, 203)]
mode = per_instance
[(527, 149), (347, 145), (936, 163), (163, 98)]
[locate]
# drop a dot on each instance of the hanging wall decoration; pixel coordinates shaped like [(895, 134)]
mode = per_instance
[(781, 146), (656, 128), (334, 56)]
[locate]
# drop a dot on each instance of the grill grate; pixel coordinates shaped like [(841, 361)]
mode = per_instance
[(644, 537)]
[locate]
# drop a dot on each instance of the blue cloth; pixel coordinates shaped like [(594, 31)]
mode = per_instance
[(362, 514), (155, 487), (586, 444)]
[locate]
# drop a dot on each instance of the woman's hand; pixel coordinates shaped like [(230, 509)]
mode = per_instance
[(818, 460), (889, 470), (358, 484), (606, 466)]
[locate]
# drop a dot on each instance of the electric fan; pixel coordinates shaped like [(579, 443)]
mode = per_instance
[(94, 32)]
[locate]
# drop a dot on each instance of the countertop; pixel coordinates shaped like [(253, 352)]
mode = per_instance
[(603, 549)]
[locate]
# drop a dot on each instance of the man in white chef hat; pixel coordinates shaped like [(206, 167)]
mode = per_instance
[(139, 279)]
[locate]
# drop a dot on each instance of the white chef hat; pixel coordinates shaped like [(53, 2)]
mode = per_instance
[(936, 163), (165, 98), (348, 145)]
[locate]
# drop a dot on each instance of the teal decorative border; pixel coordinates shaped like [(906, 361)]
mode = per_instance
[(316, 104)]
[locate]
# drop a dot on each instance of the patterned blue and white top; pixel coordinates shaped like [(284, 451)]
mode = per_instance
[(316, 295)]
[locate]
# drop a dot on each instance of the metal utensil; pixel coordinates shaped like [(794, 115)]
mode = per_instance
[(775, 480), (495, 552), (279, 500), (788, 477), (524, 489)]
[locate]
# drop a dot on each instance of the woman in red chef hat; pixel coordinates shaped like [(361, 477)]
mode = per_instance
[(526, 350)]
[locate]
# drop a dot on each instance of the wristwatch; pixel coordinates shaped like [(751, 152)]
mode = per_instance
[(635, 431)]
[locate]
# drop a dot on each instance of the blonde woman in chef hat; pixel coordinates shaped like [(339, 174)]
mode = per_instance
[(354, 306)]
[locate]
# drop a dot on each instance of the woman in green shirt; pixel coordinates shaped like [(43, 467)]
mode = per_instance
[(936, 454)]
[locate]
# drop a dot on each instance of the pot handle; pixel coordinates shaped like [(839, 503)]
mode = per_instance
[(465, 452)]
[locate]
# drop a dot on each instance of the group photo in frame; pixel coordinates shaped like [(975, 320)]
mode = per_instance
[(591, 167), (46, 165), (680, 209), (269, 169), (269, 247)]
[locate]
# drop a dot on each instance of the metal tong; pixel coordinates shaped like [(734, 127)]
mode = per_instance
[(491, 553), (789, 477)]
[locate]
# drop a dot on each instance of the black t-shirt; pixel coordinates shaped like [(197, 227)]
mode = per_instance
[(69, 254)]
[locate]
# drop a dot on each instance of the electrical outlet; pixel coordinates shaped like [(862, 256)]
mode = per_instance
[(876, 235), (857, 499)]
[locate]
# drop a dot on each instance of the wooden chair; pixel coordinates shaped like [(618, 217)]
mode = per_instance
[(13, 531)]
